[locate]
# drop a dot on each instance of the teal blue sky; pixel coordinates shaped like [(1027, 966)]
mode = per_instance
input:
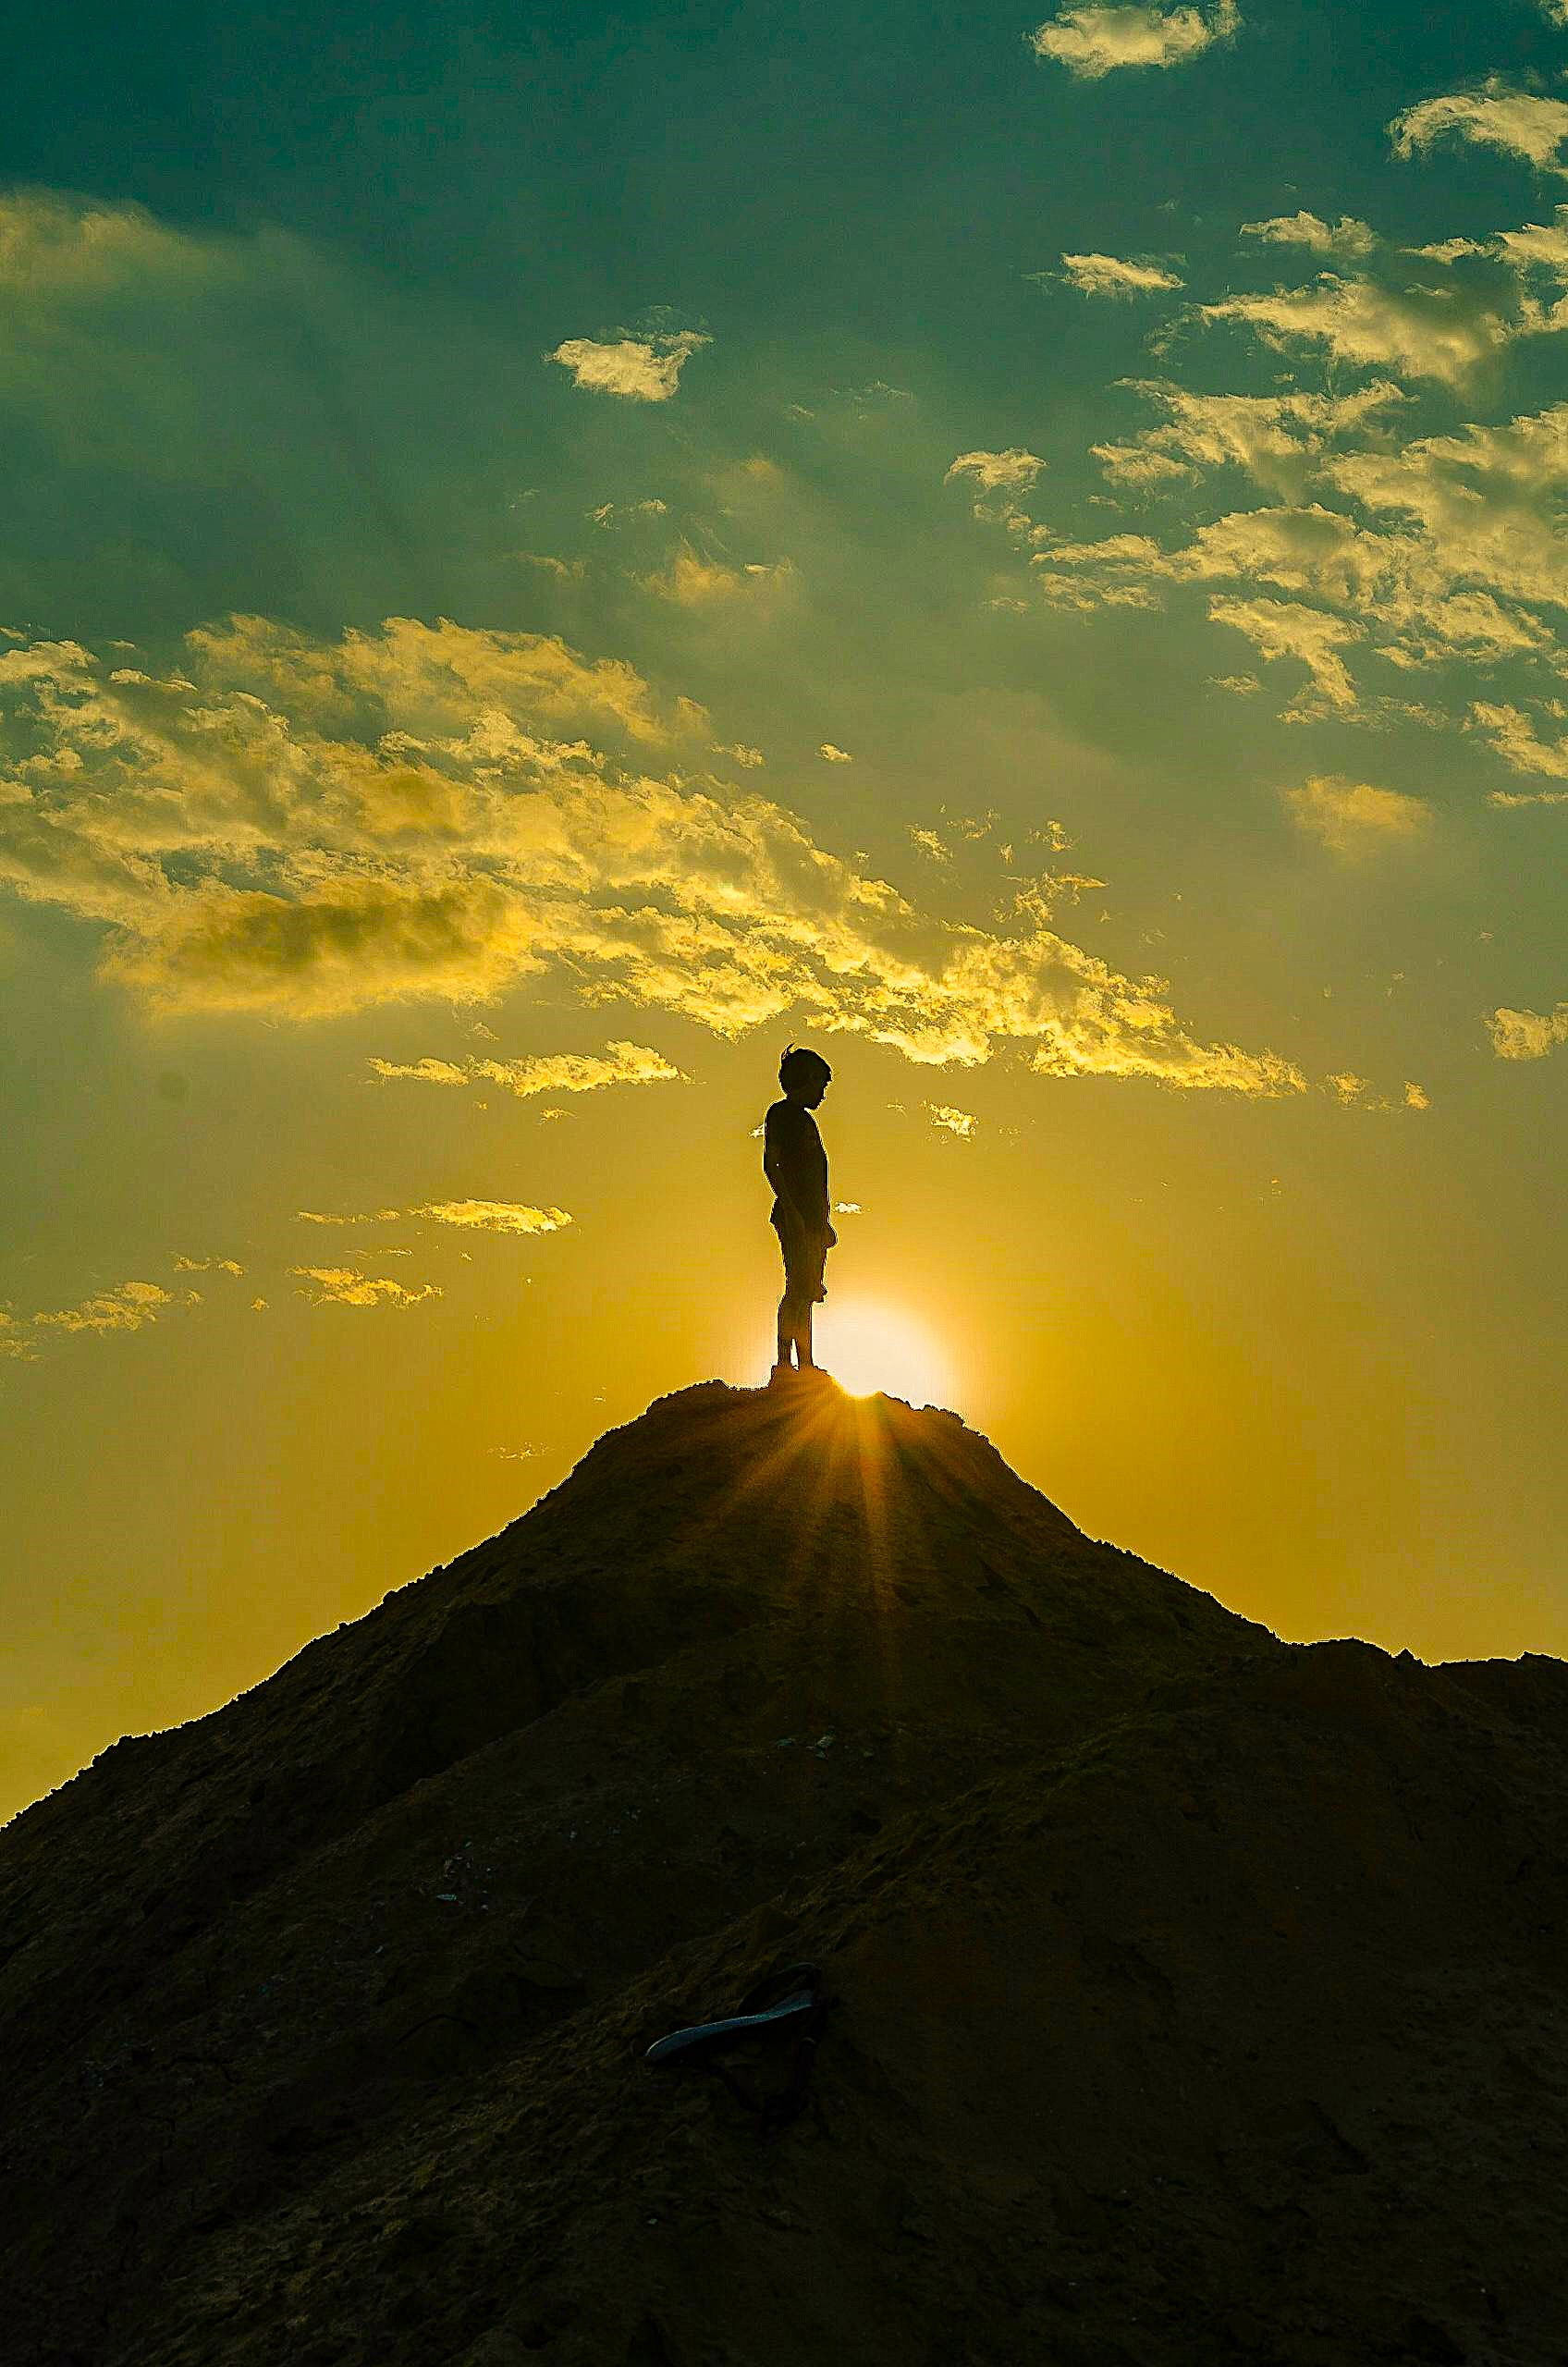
[(1029, 549)]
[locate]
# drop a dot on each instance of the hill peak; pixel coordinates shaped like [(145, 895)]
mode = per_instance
[(325, 2009)]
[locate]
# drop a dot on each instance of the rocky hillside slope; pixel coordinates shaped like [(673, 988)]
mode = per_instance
[(1196, 1999)]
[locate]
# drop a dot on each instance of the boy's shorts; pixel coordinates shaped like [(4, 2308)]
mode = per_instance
[(805, 1257)]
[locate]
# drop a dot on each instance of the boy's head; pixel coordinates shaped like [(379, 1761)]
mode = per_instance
[(805, 1075)]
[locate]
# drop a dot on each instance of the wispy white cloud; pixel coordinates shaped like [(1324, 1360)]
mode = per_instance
[(962, 1122), (1346, 240), (1115, 275), (1353, 818), (621, 1063), (643, 370), (183, 1265), (1092, 40), (834, 755), (1519, 122), (1527, 1035)]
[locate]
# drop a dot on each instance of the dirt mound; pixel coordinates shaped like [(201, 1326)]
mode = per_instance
[(1197, 1998)]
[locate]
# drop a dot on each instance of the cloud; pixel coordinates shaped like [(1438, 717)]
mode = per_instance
[(14, 1340), (415, 680), (127, 1308), (1532, 247), (425, 1072), (1519, 744), (617, 513), (343, 1287), (1286, 629), (642, 370), (1433, 549), (1494, 116), (493, 1216), (953, 1121), (208, 1266), (1355, 1092), (1346, 240), (832, 755), (621, 1063), (1273, 438), (1092, 40), (316, 1215), (332, 827), (1424, 331), (1013, 470), (996, 480), (1527, 1035), (1354, 818), (475, 1216), (51, 242), (692, 582), (1111, 276), (1484, 508)]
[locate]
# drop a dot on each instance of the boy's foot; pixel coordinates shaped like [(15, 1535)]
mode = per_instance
[(783, 1376)]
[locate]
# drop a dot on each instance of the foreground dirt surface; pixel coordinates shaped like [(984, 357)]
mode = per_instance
[(1197, 1999)]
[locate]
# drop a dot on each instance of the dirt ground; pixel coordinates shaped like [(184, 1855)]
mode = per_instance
[(1196, 2000)]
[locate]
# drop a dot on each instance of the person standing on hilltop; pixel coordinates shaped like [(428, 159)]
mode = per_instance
[(796, 1165)]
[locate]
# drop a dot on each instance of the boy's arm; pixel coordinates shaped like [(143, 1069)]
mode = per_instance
[(775, 1166)]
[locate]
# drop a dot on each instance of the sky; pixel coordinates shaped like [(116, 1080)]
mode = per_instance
[(550, 555)]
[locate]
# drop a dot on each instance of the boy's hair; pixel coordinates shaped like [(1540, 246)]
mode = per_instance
[(800, 1062)]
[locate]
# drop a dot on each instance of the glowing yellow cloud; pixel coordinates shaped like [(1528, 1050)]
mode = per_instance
[(344, 1286), (644, 370), (247, 857), (1092, 40), (493, 1216), (1353, 818)]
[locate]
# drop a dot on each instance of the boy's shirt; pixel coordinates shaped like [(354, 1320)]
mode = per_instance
[(795, 1164)]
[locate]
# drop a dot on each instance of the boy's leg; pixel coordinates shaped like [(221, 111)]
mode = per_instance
[(794, 1322)]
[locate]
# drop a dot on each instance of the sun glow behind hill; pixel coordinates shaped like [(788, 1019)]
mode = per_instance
[(867, 1346)]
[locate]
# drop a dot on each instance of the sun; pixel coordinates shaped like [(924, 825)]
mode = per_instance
[(866, 1347)]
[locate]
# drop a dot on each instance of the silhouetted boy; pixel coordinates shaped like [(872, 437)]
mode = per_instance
[(796, 1165)]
